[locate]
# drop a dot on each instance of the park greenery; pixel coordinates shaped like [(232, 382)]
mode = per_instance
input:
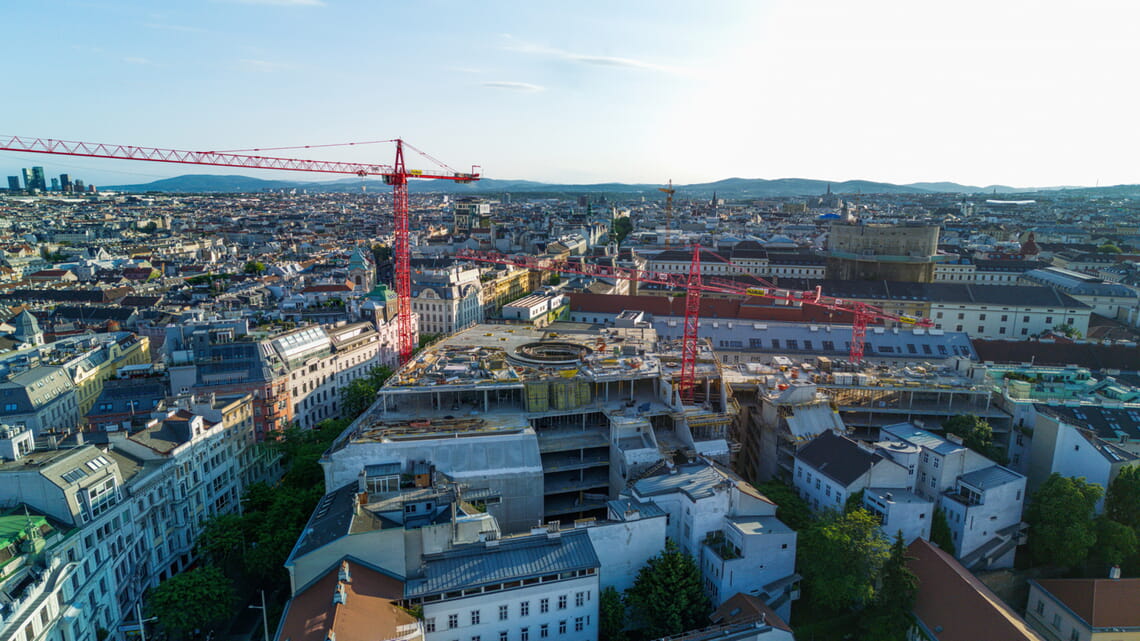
[(241, 554), (1066, 534)]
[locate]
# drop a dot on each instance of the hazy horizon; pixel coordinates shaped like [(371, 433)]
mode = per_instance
[(1016, 94)]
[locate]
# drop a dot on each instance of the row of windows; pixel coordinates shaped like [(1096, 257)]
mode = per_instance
[(580, 599), (580, 624)]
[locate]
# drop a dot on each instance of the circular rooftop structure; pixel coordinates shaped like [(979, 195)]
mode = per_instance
[(552, 352)]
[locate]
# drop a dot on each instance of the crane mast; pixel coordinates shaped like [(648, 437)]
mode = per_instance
[(396, 175)]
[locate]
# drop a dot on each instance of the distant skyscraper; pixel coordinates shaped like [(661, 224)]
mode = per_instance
[(78, 186), (13, 183), (55, 184), (29, 181), (39, 178), (65, 182)]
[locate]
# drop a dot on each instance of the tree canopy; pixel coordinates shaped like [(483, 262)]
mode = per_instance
[(976, 434), (360, 394), (791, 509), (611, 616), (940, 534), (1060, 517), (667, 597), (192, 600), (840, 558), (1122, 501), (888, 617), (621, 228), (254, 267)]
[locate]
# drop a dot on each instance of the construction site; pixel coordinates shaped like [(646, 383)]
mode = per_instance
[(556, 421), (786, 403)]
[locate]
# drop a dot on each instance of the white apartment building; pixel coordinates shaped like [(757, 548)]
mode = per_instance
[(325, 360), (137, 506), (1021, 314), (447, 299), (449, 560), (831, 468), (536, 308), (982, 500), (729, 529), (534, 587)]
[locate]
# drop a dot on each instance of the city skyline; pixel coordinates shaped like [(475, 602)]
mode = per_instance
[(639, 93)]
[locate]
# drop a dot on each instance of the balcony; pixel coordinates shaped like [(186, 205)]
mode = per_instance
[(718, 544)]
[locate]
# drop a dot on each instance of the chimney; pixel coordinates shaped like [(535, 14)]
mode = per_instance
[(1114, 572), (79, 438)]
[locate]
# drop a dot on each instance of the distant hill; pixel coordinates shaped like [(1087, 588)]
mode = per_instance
[(733, 188)]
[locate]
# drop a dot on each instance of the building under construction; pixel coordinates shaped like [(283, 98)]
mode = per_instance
[(555, 421)]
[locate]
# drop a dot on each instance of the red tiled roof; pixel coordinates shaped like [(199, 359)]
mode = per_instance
[(752, 309), (955, 605), (368, 610), (326, 288), (1102, 603), (745, 608)]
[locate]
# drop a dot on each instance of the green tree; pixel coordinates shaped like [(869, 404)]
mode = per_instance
[(254, 267), (1108, 248), (360, 394), (976, 434), (356, 397), (621, 228), (840, 558), (854, 501), (888, 617), (791, 509), (555, 279), (381, 253), (222, 543), (258, 497), (1115, 542), (192, 600), (1067, 330), (667, 598), (1060, 517), (1122, 501), (940, 534), (611, 616)]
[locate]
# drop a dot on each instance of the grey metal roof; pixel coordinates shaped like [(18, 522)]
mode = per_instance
[(821, 339), (990, 477), (922, 438), (1015, 295), (698, 480), (621, 507), (330, 521), (1111, 423), (478, 564)]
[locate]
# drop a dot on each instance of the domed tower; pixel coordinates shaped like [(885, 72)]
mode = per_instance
[(27, 329), (362, 270)]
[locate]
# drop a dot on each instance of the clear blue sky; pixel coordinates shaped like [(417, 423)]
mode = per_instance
[(1021, 93)]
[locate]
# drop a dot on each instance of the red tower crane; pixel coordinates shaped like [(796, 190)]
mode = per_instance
[(396, 175), (694, 285)]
